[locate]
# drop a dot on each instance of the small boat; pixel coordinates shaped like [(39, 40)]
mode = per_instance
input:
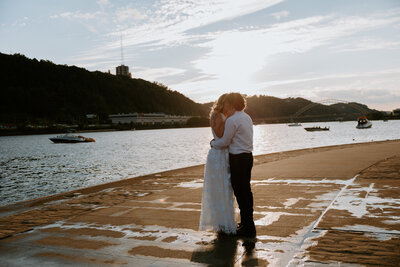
[(294, 124), (316, 129), (363, 123), (69, 138)]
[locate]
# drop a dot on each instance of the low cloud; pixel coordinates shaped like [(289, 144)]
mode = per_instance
[(77, 15), (128, 14), (281, 14), (103, 3), (367, 44)]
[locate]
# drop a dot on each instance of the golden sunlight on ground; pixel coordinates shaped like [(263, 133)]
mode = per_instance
[(332, 205)]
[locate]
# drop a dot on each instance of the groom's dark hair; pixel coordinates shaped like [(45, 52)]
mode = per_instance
[(236, 100)]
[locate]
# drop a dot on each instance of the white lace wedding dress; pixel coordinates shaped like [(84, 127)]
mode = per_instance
[(217, 210)]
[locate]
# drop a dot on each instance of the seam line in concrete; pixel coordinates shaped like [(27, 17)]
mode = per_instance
[(355, 231), (313, 226)]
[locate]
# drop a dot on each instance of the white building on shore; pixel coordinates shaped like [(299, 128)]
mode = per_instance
[(148, 119)]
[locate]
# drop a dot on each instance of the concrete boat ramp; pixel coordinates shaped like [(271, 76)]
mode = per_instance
[(330, 206)]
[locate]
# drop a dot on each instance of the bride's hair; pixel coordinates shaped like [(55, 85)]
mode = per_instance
[(218, 105)]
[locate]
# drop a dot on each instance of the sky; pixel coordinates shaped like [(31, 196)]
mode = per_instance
[(316, 49)]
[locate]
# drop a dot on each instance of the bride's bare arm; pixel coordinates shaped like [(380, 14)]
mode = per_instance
[(217, 124)]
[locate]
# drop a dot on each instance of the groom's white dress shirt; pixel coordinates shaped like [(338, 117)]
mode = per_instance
[(238, 134)]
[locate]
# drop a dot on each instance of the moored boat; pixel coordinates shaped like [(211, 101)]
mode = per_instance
[(363, 123), (316, 129), (294, 124), (69, 138)]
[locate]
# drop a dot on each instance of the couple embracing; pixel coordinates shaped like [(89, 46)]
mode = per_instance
[(228, 168)]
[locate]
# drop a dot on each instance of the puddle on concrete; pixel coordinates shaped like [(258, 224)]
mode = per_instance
[(380, 236), (301, 181), (368, 228), (192, 184), (183, 236), (270, 217), (291, 201), (359, 207)]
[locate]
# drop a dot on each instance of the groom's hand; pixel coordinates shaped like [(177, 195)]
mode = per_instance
[(211, 142)]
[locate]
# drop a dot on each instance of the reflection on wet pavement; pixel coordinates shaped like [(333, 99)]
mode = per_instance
[(154, 221)]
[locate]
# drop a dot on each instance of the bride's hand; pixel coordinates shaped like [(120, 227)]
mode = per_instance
[(211, 142)]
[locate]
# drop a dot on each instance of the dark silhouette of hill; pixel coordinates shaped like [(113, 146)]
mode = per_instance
[(267, 107), (43, 91)]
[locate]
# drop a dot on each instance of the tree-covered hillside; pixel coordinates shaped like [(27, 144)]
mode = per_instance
[(41, 92), (273, 107), (35, 90)]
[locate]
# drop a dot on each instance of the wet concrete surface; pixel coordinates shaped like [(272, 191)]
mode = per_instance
[(332, 206)]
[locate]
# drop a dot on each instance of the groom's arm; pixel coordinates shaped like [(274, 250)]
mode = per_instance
[(229, 132)]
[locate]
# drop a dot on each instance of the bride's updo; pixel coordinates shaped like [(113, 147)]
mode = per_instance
[(218, 105)]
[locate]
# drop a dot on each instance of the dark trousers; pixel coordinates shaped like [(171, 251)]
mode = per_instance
[(241, 165)]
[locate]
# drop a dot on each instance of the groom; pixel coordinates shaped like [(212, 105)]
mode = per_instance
[(238, 136)]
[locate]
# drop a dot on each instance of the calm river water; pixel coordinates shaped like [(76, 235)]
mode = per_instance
[(32, 166)]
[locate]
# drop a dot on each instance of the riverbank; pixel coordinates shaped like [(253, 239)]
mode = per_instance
[(14, 130), (329, 205), (51, 130), (198, 122)]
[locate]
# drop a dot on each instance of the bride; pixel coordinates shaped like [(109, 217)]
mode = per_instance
[(217, 210)]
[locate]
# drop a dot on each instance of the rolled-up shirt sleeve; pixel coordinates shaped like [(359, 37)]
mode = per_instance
[(226, 139)]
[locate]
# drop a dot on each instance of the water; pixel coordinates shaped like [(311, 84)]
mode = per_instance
[(32, 166)]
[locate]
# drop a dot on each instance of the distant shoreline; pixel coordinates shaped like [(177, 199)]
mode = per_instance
[(42, 131)]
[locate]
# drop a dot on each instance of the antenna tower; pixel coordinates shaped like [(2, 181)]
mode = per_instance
[(122, 53)]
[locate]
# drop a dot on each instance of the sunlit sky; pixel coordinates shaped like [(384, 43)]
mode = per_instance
[(317, 49)]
